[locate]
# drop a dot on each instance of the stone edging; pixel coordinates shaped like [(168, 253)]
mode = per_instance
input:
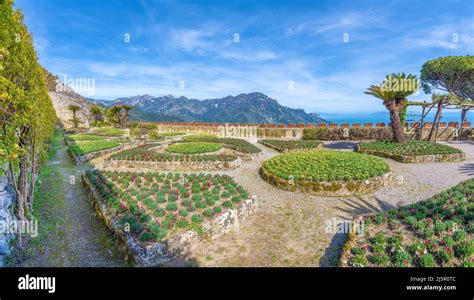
[(282, 150), (173, 165), (162, 252), (350, 242), (329, 188), (416, 159)]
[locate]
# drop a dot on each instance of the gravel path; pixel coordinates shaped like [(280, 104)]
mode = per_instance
[(71, 235), (289, 229)]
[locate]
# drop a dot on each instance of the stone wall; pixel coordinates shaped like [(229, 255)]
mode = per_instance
[(7, 216), (446, 131), (329, 188), (172, 165)]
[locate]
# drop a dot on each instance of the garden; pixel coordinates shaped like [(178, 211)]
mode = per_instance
[(194, 147), (326, 172), (291, 145), (149, 157), (108, 131), (81, 148), (157, 205), (437, 232), (238, 145), (412, 151)]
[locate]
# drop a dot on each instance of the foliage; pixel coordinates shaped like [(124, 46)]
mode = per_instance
[(235, 144), (325, 165), (109, 131), (452, 74), (337, 134), (27, 116), (193, 147), (393, 92), (164, 203), (85, 137), (436, 232), (287, 145), (411, 148), (146, 153), (85, 147), (170, 134)]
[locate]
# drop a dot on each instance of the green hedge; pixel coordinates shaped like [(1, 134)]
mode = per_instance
[(336, 134)]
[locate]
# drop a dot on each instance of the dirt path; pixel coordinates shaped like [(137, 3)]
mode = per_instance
[(289, 229), (70, 235)]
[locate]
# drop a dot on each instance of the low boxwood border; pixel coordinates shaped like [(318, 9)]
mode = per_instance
[(453, 157), (162, 252), (329, 188)]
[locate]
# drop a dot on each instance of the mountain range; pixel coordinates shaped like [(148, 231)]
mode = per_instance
[(243, 108)]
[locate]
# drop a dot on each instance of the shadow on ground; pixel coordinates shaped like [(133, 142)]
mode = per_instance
[(467, 169), (351, 206), (341, 146), (358, 205)]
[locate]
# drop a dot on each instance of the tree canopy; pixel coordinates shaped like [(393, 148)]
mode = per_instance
[(452, 74), (27, 116)]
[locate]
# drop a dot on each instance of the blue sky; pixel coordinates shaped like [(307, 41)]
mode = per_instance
[(293, 51)]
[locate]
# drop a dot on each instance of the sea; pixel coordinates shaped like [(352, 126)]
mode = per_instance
[(383, 116)]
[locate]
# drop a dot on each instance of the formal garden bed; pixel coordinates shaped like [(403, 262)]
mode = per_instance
[(291, 145), (84, 149), (326, 172), (147, 157), (412, 151), (108, 131), (194, 147), (158, 216), (244, 149), (437, 232), (84, 137)]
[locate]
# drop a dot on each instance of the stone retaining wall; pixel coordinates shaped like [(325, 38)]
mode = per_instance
[(415, 159), (173, 165), (350, 242), (159, 253), (329, 188), (7, 216)]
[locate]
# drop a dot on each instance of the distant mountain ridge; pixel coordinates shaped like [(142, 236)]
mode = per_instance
[(243, 108)]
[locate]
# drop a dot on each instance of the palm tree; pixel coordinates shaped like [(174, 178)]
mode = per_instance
[(74, 108), (393, 91)]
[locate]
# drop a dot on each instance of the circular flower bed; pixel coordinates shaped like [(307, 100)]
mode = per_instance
[(331, 173), (194, 147), (412, 151)]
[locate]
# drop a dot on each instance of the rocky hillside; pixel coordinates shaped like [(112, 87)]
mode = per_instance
[(244, 108), (62, 98)]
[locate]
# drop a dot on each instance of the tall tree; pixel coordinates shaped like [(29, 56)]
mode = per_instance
[(452, 74), (27, 116), (393, 92), (74, 109)]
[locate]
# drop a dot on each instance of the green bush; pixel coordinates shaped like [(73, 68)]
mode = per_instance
[(85, 147), (411, 148), (325, 165), (193, 147)]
